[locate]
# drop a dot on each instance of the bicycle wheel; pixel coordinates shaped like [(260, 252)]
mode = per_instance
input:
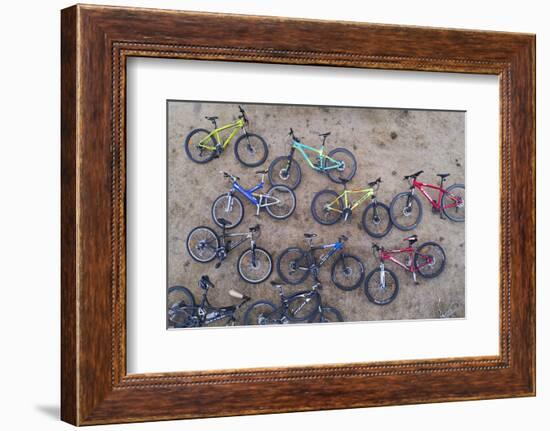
[(281, 202), (251, 150), (229, 208), (279, 173), (262, 313), (202, 244), (255, 267), (329, 315), (349, 167), (429, 259), (196, 153), (326, 207), (453, 202), (406, 211), (303, 306), (376, 220), (347, 272), (180, 307), (293, 266), (381, 288)]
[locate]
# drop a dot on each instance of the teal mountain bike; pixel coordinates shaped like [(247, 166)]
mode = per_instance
[(338, 164)]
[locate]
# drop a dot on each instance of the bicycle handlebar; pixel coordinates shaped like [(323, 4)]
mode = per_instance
[(375, 249), (376, 183), (228, 175), (291, 134), (243, 114)]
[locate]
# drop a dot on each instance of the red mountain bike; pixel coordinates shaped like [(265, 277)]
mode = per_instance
[(406, 208), (382, 285)]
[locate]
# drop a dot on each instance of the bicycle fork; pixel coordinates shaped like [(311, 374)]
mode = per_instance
[(229, 206)]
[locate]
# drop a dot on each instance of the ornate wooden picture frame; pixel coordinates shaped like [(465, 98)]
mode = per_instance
[(96, 42)]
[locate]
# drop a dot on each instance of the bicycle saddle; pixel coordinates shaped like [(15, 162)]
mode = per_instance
[(276, 283), (211, 118), (412, 239), (443, 175), (223, 221), (264, 171), (310, 235), (416, 174), (324, 135), (254, 228)]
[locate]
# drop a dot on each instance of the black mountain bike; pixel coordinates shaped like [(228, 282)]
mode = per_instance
[(305, 306), (182, 311), (254, 265), (295, 264)]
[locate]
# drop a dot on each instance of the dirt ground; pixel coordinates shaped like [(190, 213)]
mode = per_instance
[(387, 143)]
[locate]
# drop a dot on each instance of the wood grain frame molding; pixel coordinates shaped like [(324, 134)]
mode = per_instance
[(96, 41)]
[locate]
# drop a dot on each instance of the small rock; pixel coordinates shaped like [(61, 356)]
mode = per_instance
[(393, 135)]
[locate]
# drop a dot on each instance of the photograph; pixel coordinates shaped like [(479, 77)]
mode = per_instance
[(301, 214)]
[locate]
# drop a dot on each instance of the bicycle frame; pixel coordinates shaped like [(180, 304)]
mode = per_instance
[(243, 238), (435, 204), (367, 193), (323, 158), (410, 251), (205, 308), (236, 126), (333, 249), (248, 193)]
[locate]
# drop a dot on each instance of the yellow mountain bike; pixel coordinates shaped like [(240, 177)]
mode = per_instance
[(202, 145), (328, 207)]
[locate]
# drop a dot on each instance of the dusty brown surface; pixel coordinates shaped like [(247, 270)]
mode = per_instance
[(387, 143)]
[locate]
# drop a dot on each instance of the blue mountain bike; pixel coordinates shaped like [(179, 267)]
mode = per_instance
[(295, 264), (279, 201)]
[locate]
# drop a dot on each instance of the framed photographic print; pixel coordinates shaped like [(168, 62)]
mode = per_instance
[(331, 214)]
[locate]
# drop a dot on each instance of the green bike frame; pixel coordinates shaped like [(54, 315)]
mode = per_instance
[(236, 126), (323, 158), (345, 195)]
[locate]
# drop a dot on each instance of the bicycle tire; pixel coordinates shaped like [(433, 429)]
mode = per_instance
[(446, 211), (300, 259), (276, 177), (264, 275), (210, 154), (263, 154), (354, 282), (388, 299), (393, 209), (214, 236), (366, 221), (183, 319), (272, 317), (335, 174), (327, 310), (237, 204), (418, 253), (292, 203), (323, 198), (310, 299)]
